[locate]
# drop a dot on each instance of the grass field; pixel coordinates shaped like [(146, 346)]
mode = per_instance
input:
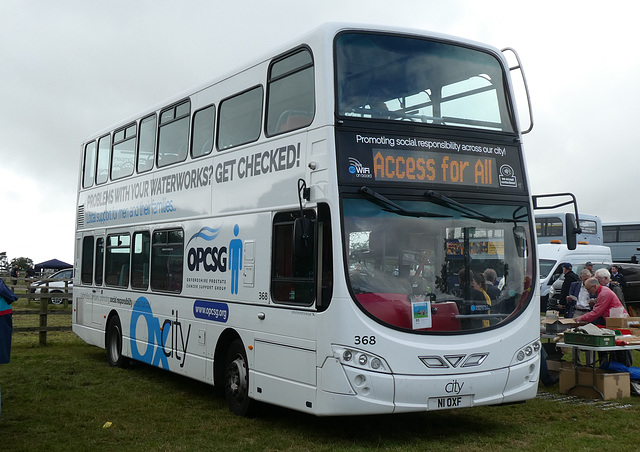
[(59, 397)]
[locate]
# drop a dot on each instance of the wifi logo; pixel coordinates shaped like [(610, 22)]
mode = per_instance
[(355, 167)]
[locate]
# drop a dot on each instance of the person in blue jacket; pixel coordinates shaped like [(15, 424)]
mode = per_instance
[(6, 323)]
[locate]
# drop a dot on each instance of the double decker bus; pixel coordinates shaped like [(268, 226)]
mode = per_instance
[(309, 231)]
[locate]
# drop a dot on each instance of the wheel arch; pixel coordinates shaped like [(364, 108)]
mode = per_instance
[(224, 341), (113, 313)]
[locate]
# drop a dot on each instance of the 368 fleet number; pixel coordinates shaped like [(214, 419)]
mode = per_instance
[(364, 340)]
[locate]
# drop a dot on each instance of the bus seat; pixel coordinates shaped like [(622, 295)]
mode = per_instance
[(124, 276), (444, 317), (392, 308), (291, 120), (395, 309)]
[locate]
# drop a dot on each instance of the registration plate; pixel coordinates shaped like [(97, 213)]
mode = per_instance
[(448, 402)]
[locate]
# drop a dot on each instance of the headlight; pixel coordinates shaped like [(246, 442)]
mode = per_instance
[(353, 357), (527, 352)]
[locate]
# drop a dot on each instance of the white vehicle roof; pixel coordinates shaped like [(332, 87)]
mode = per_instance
[(582, 253)]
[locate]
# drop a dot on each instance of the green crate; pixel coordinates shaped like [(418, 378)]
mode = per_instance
[(588, 339)]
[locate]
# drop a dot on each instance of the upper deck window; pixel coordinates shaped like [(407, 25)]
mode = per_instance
[(146, 143), (174, 134), (291, 99), (202, 141), (104, 148), (404, 78), (124, 152), (239, 119), (549, 227), (89, 165)]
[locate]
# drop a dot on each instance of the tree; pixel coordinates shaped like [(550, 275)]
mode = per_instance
[(4, 264), (23, 263)]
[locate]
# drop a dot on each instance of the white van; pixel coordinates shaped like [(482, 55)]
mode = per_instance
[(551, 257)]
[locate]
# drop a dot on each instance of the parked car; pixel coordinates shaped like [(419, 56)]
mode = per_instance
[(631, 290), (58, 282)]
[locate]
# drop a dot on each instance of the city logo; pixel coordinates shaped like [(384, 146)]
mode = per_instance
[(356, 168), (163, 342)]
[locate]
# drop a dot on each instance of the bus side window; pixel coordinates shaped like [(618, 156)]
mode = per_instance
[(290, 93), (173, 137), (117, 260), (240, 118), (104, 149), (146, 143), (99, 261), (140, 260), (292, 277), (167, 260), (86, 269), (89, 163), (124, 152), (202, 141)]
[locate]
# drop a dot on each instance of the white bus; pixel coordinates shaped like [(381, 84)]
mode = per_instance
[(304, 231), (551, 228), (624, 241)]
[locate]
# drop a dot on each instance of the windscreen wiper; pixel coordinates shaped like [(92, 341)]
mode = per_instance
[(458, 207), (396, 208)]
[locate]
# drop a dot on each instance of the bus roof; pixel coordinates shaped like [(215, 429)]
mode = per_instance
[(323, 33)]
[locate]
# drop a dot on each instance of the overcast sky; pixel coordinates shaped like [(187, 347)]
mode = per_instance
[(71, 68)]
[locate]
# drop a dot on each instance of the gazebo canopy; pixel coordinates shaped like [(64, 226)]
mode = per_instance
[(52, 264)]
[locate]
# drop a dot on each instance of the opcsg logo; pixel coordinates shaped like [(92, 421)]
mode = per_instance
[(211, 258), (216, 258)]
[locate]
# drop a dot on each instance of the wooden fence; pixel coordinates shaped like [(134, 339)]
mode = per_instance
[(24, 291)]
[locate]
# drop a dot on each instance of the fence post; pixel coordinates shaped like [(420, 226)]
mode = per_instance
[(44, 303)]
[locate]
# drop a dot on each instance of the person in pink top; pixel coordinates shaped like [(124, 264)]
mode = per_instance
[(606, 300)]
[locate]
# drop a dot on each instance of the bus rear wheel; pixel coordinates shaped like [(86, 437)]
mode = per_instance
[(236, 381), (113, 344)]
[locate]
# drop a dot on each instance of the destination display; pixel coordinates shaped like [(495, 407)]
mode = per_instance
[(367, 158)]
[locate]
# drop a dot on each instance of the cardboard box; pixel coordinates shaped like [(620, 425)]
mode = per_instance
[(622, 322), (558, 325), (633, 322), (554, 365), (612, 385)]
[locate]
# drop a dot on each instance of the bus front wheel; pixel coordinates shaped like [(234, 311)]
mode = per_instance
[(236, 378), (113, 343)]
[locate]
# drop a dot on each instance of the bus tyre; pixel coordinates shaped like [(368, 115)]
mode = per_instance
[(236, 381), (114, 344)]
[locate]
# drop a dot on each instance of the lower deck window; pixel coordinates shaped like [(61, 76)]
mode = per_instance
[(167, 258), (117, 260)]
